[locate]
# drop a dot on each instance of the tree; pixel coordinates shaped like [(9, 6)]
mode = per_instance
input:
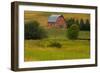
[(87, 25), (34, 31), (73, 32), (77, 22), (69, 22), (84, 25)]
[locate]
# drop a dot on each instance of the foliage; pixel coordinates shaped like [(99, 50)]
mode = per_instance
[(73, 32), (87, 25), (77, 22), (84, 25), (69, 22), (55, 44), (34, 31)]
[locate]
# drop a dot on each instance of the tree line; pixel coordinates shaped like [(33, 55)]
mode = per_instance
[(83, 24)]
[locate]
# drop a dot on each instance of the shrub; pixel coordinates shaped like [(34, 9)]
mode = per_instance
[(55, 44), (34, 31), (73, 31)]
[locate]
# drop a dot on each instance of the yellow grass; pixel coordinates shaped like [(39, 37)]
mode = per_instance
[(42, 17)]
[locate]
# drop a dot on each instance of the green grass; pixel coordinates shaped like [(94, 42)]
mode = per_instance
[(69, 50), (38, 50), (84, 35)]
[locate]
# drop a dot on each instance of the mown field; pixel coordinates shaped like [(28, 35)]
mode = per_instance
[(38, 50)]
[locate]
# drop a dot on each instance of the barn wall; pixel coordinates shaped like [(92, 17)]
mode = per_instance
[(60, 22)]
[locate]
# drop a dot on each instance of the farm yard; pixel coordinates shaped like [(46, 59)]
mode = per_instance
[(43, 50)]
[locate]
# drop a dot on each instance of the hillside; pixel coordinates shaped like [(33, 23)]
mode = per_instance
[(42, 17)]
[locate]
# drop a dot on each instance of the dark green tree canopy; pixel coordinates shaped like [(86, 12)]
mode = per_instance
[(34, 31), (73, 32)]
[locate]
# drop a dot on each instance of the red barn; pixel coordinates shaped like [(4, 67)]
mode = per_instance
[(57, 21)]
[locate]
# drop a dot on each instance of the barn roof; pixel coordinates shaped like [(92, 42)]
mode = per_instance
[(53, 18)]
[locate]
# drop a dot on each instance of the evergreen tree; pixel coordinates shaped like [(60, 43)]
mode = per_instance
[(82, 24), (77, 22), (87, 25), (70, 22)]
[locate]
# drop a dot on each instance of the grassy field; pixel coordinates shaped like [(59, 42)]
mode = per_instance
[(38, 50)]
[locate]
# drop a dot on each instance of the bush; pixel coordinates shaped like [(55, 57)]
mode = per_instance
[(34, 31), (73, 31), (55, 44)]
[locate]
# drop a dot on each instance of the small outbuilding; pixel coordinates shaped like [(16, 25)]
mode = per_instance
[(57, 21)]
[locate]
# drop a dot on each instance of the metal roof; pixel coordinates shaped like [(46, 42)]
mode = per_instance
[(53, 18)]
